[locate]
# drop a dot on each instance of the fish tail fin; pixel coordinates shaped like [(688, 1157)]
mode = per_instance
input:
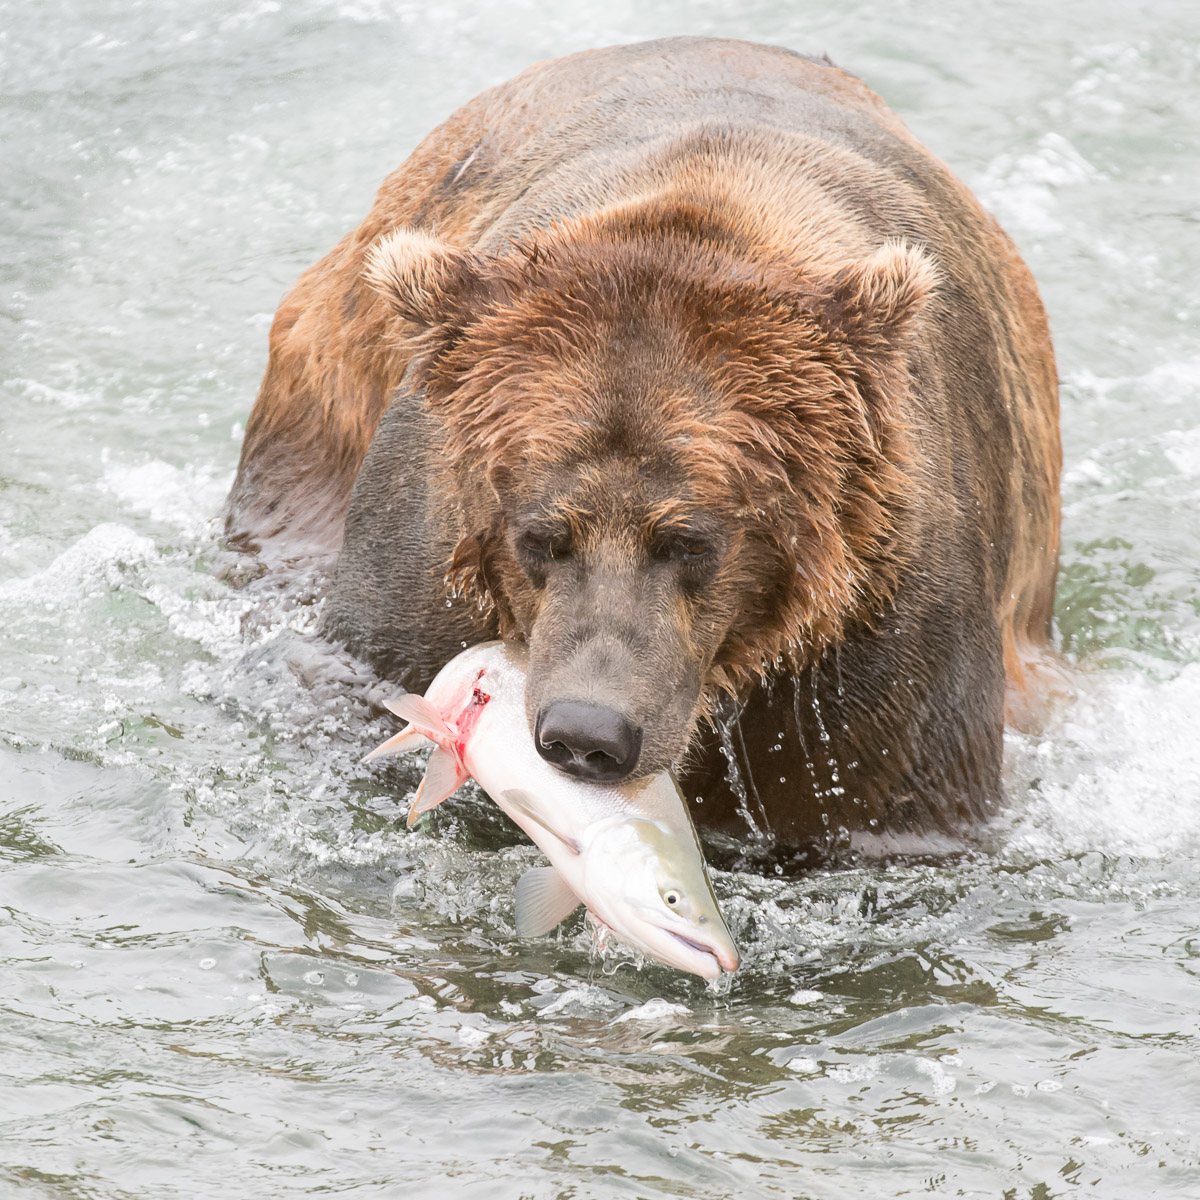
[(405, 740), (423, 717), (444, 775), (426, 725)]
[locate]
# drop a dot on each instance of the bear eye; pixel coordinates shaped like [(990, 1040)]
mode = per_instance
[(544, 545), (690, 550)]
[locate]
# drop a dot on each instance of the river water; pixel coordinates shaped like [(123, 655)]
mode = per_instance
[(225, 968)]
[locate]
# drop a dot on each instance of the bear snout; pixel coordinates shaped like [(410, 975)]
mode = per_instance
[(588, 741)]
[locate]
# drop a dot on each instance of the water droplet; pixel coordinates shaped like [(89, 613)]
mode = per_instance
[(207, 964)]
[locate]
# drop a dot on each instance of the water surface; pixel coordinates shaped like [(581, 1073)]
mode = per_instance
[(227, 969)]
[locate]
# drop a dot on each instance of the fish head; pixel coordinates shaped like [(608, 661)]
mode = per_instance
[(651, 888)]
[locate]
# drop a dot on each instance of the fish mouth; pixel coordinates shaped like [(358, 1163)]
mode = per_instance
[(727, 960), (711, 963)]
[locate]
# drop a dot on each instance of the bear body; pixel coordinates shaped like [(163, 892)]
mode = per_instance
[(687, 364)]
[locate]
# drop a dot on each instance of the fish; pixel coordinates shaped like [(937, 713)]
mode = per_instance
[(629, 852)]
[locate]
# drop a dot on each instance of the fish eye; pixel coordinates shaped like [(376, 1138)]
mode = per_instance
[(672, 897)]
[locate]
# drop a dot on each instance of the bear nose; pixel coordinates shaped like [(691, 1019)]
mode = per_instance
[(588, 741)]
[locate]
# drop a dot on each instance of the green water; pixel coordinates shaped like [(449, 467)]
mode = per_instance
[(227, 971)]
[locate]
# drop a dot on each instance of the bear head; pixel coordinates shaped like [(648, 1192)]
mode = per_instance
[(677, 462)]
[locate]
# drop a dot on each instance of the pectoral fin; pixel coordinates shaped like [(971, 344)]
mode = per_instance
[(443, 777), (543, 900)]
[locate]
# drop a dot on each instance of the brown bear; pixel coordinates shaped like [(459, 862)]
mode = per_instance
[(685, 363)]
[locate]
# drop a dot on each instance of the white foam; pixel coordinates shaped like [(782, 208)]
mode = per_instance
[(186, 498), (474, 1035), (1181, 448), (96, 558), (1120, 774), (10, 547), (1174, 381), (858, 1072), (251, 14), (1086, 473), (582, 1000), (803, 1066), (70, 399), (804, 996), (941, 1081), (1111, 76), (656, 1010), (1021, 189)]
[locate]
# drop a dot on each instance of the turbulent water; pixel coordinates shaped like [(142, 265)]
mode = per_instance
[(225, 968)]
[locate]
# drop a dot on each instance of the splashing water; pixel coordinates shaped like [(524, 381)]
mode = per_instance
[(229, 971)]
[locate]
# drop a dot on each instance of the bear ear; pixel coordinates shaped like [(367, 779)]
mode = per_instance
[(875, 300), (430, 282)]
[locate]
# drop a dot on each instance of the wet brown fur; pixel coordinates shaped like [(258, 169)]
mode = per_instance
[(797, 442), (778, 330)]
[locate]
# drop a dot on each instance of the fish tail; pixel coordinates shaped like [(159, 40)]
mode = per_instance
[(444, 775), (424, 718), (426, 725), (406, 740)]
